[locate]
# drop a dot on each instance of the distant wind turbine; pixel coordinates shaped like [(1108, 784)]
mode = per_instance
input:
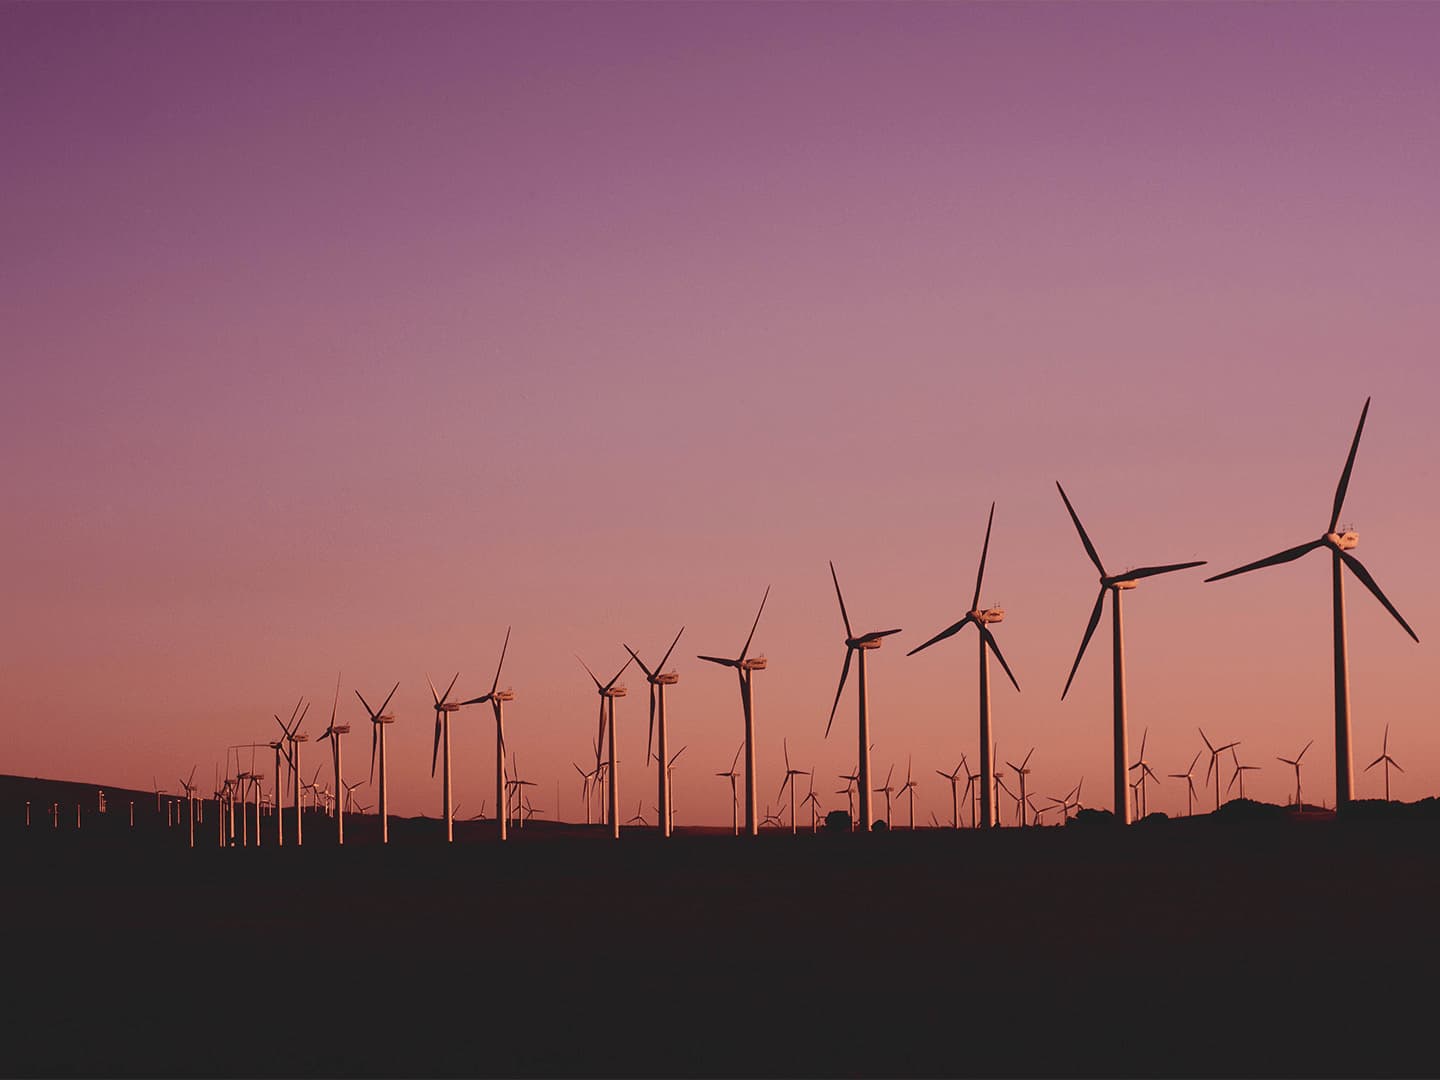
[(294, 738), (745, 666), (1239, 773), (954, 778), (982, 618), (497, 698), (378, 719), (909, 788), (608, 693), (1294, 763), (789, 781), (1189, 783), (1214, 764), (658, 680), (333, 733), (732, 775), (1114, 584), (443, 708), (1142, 805), (857, 646), (1386, 760), (1340, 544)]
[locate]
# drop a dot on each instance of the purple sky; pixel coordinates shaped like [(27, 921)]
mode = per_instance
[(340, 337)]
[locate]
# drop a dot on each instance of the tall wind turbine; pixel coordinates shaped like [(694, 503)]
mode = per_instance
[(853, 646), (954, 778), (1387, 760), (658, 680), (1114, 584), (981, 618), (745, 667), (1339, 544), (1142, 805), (333, 733), (670, 790), (1021, 771), (497, 698), (887, 791), (294, 738), (443, 708), (909, 787), (189, 786), (1294, 763), (608, 693), (378, 719), (1239, 773)]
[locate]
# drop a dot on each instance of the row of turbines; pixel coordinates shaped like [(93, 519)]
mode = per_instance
[(1128, 793)]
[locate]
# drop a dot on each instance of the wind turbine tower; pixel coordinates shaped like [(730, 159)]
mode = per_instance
[(745, 667)]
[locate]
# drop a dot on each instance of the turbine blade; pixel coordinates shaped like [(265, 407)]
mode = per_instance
[(450, 687), (387, 698), (1084, 538), (1272, 560), (984, 551), (843, 614), (949, 631), (503, 649), (995, 648), (365, 703), (650, 737), (636, 657), (719, 660), (1369, 582), (586, 666), (1345, 475), (1151, 571), (745, 651), (844, 674), (613, 681), (374, 745), (334, 705), (435, 751), (433, 693), (1089, 630)]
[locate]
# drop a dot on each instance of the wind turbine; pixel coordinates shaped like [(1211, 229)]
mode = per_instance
[(1214, 763), (981, 618), (670, 792), (1114, 584), (732, 775), (954, 778), (497, 698), (1239, 773), (909, 787), (1021, 771), (1387, 759), (1142, 807), (639, 818), (584, 789), (853, 646), (1190, 783), (443, 708), (658, 680), (279, 747), (888, 790), (378, 719), (1339, 544), (814, 802), (851, 779), (745, 667), (189, 787), (1295, 764), (294, 738), (972, 797), (789, 781), (608, 693), (333, 733)]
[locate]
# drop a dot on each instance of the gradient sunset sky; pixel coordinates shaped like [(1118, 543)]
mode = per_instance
[(340, 337)]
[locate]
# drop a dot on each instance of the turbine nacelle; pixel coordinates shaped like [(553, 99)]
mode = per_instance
[(987, 615), (448, 706), (1342, 541), (1122, 583), (863, 643), (666, 678), (754, 663), (503, 695), (613, 692)]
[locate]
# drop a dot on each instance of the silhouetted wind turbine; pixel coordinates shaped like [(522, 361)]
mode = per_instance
[(814, 802), (732, 775), (954, 778), (981, 618), (189, 787), (851, 779), (1387, 760), (497, 698), (1190, 783), (584, 789), (443, 708), (1021, 771), (378, 719), (1239, 773), (789, 782), (670, 792), (1142, 806), (1214, 763), (745, 667), (658, 680), (1339, 545), (333, 733), (294, 738), (909, 787), (639, 818), (1113, 584), (861, 645), (1295, 764), (608, 693), (888, 791)]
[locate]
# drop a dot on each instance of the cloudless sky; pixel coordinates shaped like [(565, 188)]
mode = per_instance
[(338, 338)]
